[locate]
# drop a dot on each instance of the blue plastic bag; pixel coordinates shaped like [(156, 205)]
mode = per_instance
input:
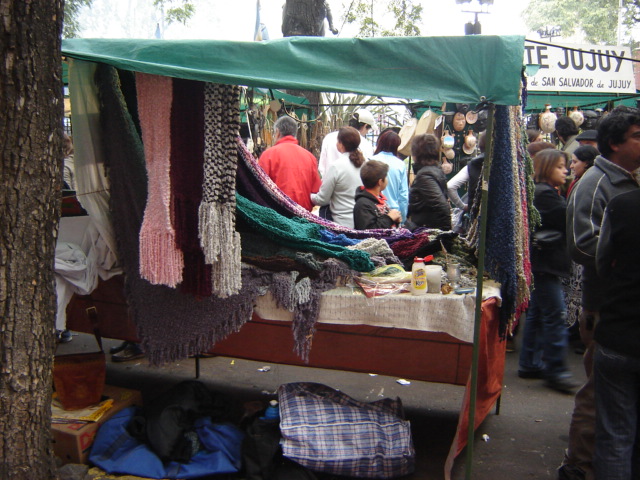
[(116, 452)]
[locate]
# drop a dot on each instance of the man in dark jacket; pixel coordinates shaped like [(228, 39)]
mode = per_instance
[(611, 175), (428, 201), (616, 362)]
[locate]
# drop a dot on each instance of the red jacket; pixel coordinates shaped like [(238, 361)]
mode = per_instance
[(293, 169)]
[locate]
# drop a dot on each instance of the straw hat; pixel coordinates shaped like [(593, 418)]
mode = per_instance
[(407, 132), (427, 122)]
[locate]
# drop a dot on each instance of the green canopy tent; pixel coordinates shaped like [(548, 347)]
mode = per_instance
[(468, 69)]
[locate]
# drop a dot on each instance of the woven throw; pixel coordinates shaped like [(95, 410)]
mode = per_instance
[(161, 261), (298, 233), (218, 237)]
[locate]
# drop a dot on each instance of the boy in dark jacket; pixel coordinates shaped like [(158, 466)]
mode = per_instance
[(371, 209)]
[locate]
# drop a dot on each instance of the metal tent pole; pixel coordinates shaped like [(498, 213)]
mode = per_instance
[(478, 310)]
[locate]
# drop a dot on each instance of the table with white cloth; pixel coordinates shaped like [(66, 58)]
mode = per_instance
[(427, 338)]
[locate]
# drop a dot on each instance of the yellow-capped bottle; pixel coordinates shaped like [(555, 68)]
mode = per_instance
[(418, 277)]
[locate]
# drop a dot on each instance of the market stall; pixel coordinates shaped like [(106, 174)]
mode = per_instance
[(106, 123)]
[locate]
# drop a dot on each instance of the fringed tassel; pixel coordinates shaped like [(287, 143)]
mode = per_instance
[(221, 246), (161, 262), (225, 273)]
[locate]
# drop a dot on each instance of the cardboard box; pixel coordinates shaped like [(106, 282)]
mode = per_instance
[(72, 441)]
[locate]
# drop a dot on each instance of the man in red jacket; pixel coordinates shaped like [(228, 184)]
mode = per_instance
[(293, 169)]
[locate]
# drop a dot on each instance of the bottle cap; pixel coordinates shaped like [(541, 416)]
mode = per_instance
[(418, 260), (428, 258)]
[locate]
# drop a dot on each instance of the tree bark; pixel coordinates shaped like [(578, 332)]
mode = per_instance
[(31, 110)]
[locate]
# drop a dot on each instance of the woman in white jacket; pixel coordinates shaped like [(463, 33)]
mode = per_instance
[(341, 181)]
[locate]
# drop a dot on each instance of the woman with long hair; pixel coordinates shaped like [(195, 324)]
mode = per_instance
[(397, 190), (428, 200), (544, 342), (341, 181), (581, 160)]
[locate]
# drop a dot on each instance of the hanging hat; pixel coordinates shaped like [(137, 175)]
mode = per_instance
[(407, 132), (591, 135), (364, 116), (427, 122)]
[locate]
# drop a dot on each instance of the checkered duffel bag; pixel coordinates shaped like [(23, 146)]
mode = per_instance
[(328, 431)]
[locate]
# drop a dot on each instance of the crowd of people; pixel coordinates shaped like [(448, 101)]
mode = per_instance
[(350, 192), (583, 257)]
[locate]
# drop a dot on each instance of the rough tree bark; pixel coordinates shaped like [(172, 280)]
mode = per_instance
[(31, 110)]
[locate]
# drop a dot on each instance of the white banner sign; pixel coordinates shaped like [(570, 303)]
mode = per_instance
[(580, 68)]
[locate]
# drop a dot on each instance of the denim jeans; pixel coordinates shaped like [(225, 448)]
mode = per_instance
[(545, 336), (617, 394)]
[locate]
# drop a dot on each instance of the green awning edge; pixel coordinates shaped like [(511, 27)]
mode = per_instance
[(462, 69)]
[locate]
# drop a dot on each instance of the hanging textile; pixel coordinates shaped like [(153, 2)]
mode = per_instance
[(507, 256), (187, 163), (297, 233), (218, 237), (161, 261), (92, 188), (195, 325)]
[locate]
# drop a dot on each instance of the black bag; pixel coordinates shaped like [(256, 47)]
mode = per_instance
[(546, 238)]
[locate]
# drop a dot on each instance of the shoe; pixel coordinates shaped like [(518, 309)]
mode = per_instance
[(131, 352), (511, 345), (562, 385), (119, 348), (533, 374), (570, 472)]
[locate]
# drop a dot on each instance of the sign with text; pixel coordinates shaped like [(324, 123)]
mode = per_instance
[(580, 68)]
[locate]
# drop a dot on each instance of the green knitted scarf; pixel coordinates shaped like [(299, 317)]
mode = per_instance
[(298, 233)]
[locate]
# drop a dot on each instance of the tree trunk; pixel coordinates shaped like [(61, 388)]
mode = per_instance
[(31, 111)]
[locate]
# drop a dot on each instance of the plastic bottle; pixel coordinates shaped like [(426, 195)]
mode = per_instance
[(418, 277), (272, 412)]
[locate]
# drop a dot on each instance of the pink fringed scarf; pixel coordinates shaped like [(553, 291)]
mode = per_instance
[(161, 262)]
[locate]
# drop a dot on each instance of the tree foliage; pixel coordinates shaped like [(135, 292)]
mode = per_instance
[(597, 20), (175, 10), (370, 15), (171, 11), (71, 26)]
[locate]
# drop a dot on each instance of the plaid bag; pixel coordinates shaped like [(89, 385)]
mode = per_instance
[(328, 431)]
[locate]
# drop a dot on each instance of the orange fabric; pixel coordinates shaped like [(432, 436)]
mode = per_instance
[(293, 169), (491, 361)]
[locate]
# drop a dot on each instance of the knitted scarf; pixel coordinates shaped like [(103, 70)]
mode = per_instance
[(187, 159), (297, 233), (523, 259), (255, 185), (195, 325), (501, 249), (161, 261), (218, 237)]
